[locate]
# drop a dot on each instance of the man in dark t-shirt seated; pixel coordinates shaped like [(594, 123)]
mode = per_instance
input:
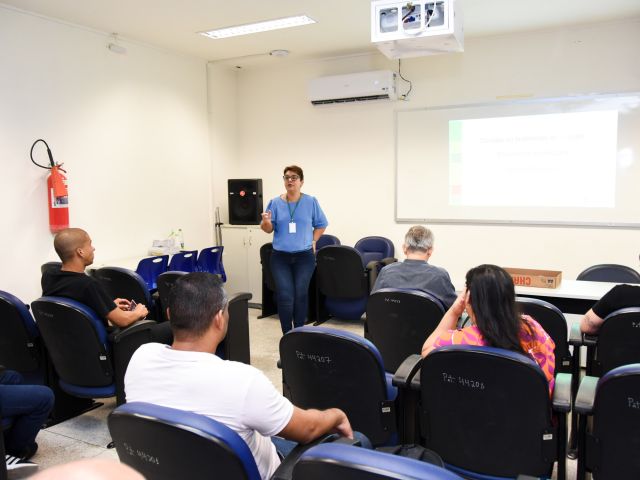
[(73, 246), (620, 296)]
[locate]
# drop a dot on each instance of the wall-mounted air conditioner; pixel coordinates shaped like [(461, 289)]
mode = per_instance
[(402, 29), (354, 87)]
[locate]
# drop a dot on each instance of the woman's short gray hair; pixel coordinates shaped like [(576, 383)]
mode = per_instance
[(419, 239)]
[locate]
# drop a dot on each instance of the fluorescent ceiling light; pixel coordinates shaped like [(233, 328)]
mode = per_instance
[(259, 27)]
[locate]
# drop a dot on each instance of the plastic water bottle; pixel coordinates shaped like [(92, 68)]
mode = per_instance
[(180, 238)]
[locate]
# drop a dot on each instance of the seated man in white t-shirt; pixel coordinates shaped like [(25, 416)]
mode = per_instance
[(189, 376)]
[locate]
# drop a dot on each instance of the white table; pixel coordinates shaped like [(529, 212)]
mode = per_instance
[(572, 296)]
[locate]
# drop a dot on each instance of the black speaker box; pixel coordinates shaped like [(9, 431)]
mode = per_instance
[(245, 201)]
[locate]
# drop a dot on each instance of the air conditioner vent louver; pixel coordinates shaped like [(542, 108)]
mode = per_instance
[(355, 87)]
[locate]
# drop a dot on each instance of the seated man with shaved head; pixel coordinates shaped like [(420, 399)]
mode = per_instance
[(73, 246)]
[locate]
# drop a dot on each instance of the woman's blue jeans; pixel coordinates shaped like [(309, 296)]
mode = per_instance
[(292, 273)]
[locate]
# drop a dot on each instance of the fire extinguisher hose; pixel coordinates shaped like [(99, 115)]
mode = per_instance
[(51, 162)]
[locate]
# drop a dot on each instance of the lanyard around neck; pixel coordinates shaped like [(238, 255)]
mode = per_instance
[(294, 208)]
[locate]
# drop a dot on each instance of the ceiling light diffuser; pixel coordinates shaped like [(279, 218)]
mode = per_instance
[(259, 27)]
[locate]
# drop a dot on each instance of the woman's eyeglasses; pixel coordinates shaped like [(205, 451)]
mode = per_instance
[(291, 177)]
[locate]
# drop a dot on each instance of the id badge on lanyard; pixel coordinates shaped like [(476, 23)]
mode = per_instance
[(292, 224)]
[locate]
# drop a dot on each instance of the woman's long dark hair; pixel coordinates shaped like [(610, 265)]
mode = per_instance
[(493, 299)]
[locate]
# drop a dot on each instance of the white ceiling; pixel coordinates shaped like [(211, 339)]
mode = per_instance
[(342, 28)]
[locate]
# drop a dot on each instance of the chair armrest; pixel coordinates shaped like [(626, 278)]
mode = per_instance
[(388, 261), (562, 393), (407, 371), (238, 297), (372, 265), (285, 470), (589, 340), (120, 333), (586, 395), (575, 335)]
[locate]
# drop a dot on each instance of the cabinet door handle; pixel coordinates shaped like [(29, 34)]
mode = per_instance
[(250, 241)]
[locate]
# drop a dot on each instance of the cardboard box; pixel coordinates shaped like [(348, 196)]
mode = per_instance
[(529, 277)]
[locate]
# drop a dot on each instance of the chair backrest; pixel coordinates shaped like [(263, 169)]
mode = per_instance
[(235, 345), (20, 347), (340, 272), (554, 323), (618, 341), (610, 272), (210, 260), (479, 403), (326, 240), (166, 281), (149, 269), (123, 283), (184, 261), (50, 266), (346, 462), (342, 279), (76, 339), (612, 444), (374, 248), (265, 260), (165, 443), (399, 321), (324, 368)]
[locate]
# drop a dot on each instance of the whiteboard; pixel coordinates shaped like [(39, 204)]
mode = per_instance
[(571, 161)]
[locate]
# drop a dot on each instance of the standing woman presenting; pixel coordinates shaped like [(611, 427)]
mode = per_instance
[(297, 221)]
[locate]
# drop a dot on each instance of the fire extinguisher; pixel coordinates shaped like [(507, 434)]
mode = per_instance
[(57, 195)]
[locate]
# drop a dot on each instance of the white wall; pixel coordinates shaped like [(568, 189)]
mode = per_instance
[(132, 131), (348, 151)]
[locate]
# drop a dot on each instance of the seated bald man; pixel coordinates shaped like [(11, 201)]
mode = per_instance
[(73, 246)]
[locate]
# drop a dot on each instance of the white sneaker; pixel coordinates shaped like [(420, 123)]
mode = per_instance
[(18, 468)]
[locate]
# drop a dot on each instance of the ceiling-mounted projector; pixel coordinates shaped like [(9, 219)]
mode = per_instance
[(414, 29)]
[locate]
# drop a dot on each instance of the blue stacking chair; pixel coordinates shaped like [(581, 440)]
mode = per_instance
[(89, 362), (324, 368), (149, 269), (184, 261), (166, 443), (210, 260), (610, 272), (376, 253), (375, 249), (608, 445), (345, 462), (20, 343)]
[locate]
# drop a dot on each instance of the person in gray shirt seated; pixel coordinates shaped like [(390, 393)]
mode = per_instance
[(415, 272)]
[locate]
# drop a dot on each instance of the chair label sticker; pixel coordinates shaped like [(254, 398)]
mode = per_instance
[(465, 382), (141, 455), (313, 357), (633, 403)]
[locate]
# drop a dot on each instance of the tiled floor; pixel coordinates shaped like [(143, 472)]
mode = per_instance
[(87, 436)]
